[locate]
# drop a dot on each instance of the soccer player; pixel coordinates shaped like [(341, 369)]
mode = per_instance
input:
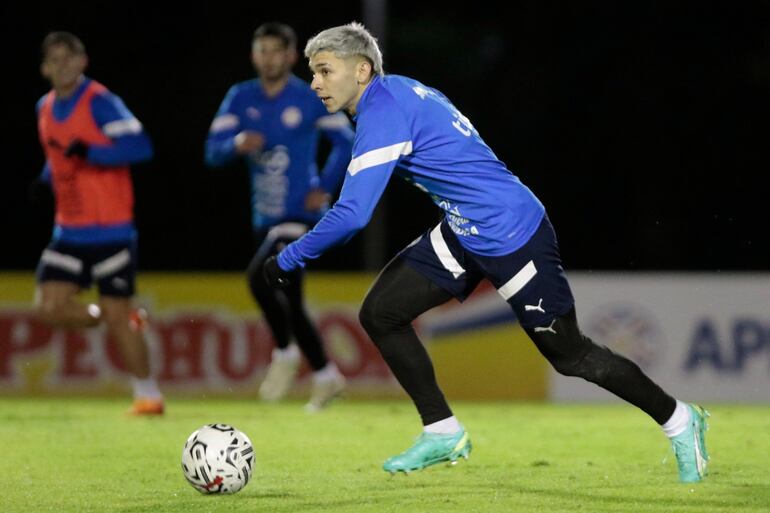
[(494, 227), (90, 138), (273, 123)]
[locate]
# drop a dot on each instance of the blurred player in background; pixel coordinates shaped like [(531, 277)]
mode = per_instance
[(494, 228), (90, 138), (273, 123)]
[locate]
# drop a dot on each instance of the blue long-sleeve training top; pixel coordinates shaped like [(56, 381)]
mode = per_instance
[(285, 169), (405, 127)]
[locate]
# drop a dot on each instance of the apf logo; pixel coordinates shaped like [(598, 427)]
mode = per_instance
[(729, 348), (630, 330)]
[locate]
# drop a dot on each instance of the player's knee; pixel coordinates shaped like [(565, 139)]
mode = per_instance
[(367, 316), (591, 364), (297, 313), (256, 281), (379, 317), (47, 312), (569, 366), (48, 309), (568, 351)]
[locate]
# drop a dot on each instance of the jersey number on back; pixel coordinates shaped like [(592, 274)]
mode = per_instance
[(462, 123)]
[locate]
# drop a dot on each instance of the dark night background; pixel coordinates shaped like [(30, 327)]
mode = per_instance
[(642, 126)]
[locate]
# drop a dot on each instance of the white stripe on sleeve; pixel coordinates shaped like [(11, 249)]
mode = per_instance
[(122, 127), (333, 121), (379, 156), (224, 122)]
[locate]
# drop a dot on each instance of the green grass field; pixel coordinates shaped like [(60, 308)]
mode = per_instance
[(84, 455)]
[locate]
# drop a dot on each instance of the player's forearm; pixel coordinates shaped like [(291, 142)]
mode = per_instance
[(128, 149), (220, 151), (336, 227), (360, 194)]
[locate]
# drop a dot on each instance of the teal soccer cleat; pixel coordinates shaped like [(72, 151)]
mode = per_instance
[(429, 449), (690, 446)]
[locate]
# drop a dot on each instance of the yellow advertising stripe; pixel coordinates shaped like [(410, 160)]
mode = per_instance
[(17, 287), (493, 363), (163, 289), (231, 289)]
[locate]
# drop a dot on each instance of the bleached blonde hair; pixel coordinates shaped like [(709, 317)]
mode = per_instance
[(347, 41)]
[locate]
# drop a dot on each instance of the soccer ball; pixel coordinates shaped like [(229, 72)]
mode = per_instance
[(218, 458)]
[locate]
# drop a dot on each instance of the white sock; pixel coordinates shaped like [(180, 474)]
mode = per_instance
[(290, 352), (328, 373), (678, 421), (447, 426), (146, 388)]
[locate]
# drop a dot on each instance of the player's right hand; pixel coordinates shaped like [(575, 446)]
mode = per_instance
[(248, 141), (274, 275), (317, 199), (77, 148)]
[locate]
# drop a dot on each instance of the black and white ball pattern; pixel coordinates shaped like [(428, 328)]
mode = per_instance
[(218, 458)]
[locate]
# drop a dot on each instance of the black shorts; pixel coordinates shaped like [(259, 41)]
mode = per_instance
[(111, 266), (531, 279)]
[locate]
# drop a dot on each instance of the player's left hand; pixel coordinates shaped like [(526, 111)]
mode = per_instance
[(316, 199), (274, 275), (77, 148)]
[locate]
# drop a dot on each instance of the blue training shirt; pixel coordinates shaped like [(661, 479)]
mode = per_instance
[(405, 127), (285, 169)]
